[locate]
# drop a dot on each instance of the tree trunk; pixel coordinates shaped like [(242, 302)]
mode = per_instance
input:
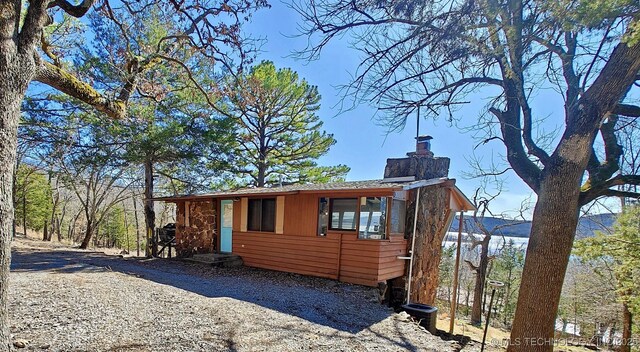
[(481, 276), (45, 231), (262, 170), (553, 228), (135, 216), (126, 225), (433, 218), (14, 188), (88, 233), (467, 297), (60, 219), (507, 298), (627, 326), (72, 227), (54, 206), (149, 213), (58, 231), (24, 208), (16, 71)]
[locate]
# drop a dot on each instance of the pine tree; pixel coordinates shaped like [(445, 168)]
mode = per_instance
[(620, 251), (280, 135), (33, 198)]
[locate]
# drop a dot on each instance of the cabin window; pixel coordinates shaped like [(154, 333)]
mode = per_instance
[(323, 216), (261, 215), (343, 213), (373, 218), (398, 215)]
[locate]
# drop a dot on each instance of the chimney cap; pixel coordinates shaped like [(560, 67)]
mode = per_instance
[(424, 138)]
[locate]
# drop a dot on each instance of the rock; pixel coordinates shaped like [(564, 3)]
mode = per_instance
[(45, 347), (19, 343)]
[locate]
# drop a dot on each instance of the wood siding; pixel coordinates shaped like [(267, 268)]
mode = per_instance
[(367, 262), (339, 255), (296, 254), (336, 256)]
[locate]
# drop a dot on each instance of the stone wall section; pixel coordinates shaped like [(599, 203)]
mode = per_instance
[(433, 218), (198, 233), (423, 167)]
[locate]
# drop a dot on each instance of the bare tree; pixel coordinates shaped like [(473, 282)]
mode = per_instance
[(480, 269), (482, 199), (98, 187), (209, 27), (434, 53)]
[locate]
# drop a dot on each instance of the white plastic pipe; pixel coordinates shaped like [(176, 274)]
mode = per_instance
[(413, 245)]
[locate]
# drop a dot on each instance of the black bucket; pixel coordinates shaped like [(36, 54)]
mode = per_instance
[(425, 313)]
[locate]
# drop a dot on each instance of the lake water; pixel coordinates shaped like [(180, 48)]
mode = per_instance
[(496, 243)]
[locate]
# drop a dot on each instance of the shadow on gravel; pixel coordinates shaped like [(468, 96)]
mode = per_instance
[(336, 308)]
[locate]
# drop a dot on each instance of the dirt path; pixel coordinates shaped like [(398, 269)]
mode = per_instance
[(70, 300)]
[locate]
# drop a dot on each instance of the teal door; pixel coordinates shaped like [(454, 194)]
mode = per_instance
[(226, 226)]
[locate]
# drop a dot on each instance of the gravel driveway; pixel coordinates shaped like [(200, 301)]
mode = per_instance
[(71, 300)]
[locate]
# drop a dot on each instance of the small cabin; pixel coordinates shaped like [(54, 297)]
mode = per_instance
[(354, 232)]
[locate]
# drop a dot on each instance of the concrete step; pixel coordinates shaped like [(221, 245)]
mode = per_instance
[(221, 260)]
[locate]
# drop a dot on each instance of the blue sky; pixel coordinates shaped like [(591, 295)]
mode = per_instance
[(362, 143)]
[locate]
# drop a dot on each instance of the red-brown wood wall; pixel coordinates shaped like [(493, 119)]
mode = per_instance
[(339, 255)]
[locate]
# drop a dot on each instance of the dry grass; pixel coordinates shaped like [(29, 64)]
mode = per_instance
[(496, 338)]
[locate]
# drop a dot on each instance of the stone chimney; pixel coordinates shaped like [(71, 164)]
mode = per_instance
[(423, 146), (421, 163)]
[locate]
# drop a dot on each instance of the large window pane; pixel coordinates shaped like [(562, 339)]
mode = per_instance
[(373, 218), (261, 215), (398, 215), (343, 213), (323, 216), (253, 214), (268, 215)]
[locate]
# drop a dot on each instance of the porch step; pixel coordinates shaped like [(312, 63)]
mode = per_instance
[(216, 259)]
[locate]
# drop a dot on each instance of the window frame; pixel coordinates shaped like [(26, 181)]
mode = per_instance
[(319, 224), (261, 213), (387, 225), (404, 221), (356, 215), (389, 199)]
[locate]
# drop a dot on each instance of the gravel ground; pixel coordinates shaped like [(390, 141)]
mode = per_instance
[(69, 300)]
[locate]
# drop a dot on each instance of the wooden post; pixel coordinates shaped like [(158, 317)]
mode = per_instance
[(454, 298)]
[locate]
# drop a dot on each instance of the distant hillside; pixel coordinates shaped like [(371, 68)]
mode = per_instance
[(587, 226)]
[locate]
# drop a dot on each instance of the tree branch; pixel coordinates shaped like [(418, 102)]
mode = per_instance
[(67, 83), (627, 110), (516, 155), (34, 21), (601, 172), (604, 189), (73, 10)]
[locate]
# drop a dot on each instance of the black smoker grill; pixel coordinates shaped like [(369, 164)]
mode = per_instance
[(166, 237)]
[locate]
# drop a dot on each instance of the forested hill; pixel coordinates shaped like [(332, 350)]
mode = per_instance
[(587, 226)]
